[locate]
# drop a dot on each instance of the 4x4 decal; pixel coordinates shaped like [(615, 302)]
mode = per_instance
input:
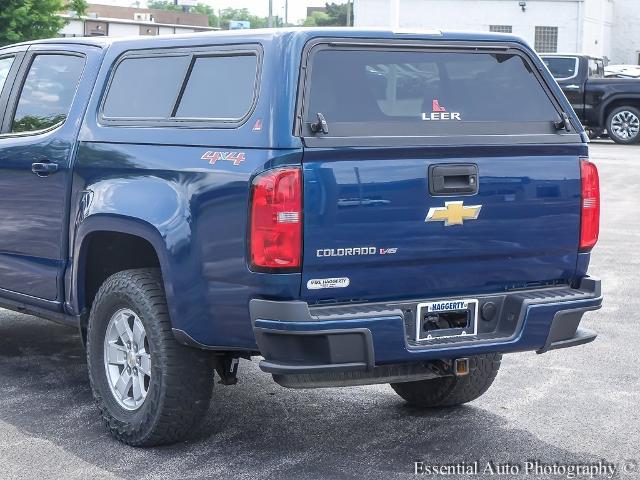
[(236, 157)]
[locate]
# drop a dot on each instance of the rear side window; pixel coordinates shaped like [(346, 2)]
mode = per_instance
[(208, 94), (422, 93), (47, 92), (145, 87), (562, 68), (182, 88)]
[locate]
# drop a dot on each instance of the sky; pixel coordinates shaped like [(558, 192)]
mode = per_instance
[(297, 8)]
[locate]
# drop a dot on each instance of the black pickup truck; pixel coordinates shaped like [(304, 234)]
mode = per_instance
[(611, 104)]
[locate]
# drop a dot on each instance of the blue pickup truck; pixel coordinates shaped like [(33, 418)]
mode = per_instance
[(356, 207)]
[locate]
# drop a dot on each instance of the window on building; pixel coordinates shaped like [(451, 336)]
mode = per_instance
[(501, 28), (149, 30), (94, 28), (47, 92), (546, 40), (5, 66)]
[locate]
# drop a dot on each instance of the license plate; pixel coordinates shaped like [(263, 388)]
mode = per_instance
[(447, 319)]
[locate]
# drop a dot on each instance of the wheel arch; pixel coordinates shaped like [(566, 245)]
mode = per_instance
[(145, 248), (616, 101)]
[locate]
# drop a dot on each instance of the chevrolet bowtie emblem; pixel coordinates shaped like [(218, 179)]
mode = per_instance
[(453, 213)]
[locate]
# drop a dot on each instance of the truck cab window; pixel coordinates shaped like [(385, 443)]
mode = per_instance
[(596, 68), (47, 92), (562, 68), (5, 66)]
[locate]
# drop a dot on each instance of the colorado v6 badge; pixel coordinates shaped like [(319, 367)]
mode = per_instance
[(453, 213)]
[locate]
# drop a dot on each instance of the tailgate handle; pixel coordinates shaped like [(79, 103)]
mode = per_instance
[(450, 179)]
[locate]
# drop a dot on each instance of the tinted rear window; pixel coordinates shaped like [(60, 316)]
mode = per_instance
[(561, 67), (145, 87), (182, 87), (210, 93), (382, 93)]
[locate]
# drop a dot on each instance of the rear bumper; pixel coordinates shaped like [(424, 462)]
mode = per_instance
[(295, 339)]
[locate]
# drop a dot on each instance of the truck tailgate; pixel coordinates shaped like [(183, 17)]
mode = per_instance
[(365, 212)]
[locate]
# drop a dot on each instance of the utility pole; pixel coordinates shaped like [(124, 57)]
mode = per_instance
[(394, 14), (349, 13), (270, 19), (286, 12), (185, 8)]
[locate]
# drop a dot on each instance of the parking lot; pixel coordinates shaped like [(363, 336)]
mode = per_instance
[(576, 406)]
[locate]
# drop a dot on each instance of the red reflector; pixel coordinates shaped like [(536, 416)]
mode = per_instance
[(590, 215), (275, 240)]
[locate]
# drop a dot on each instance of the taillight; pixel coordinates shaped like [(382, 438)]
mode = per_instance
[(590, 215), (275, 230)]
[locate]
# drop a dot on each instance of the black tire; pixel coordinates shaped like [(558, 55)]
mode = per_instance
[(616, 137), (450, 391), (594, 133), (181, 380)]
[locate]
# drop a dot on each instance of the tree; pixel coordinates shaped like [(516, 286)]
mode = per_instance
[(22, 20), (318, 19), (163, 5), (78, 6), (226, 15), (338, 12), (334, 15), (206, 10), (241, 14)]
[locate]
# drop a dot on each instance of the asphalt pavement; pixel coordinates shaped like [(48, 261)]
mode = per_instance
[(578, 406)]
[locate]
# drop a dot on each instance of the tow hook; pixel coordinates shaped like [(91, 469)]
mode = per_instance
[(227, 368), (461, 367)]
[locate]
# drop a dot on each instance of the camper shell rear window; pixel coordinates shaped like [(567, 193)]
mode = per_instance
[(371, 91)]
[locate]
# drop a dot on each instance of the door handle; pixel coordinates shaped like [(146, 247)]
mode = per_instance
[(44, 169), (572, 87), (453, 179)]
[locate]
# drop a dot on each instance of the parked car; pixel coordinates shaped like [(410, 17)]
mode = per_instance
[(356, 207), (602, 104)]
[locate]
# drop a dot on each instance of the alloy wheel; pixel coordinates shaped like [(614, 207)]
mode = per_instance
[(127, 360), (625, 125)]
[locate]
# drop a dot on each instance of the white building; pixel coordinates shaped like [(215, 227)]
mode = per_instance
[(605, 28), (118, 27), (625, 45), (117, 21)]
